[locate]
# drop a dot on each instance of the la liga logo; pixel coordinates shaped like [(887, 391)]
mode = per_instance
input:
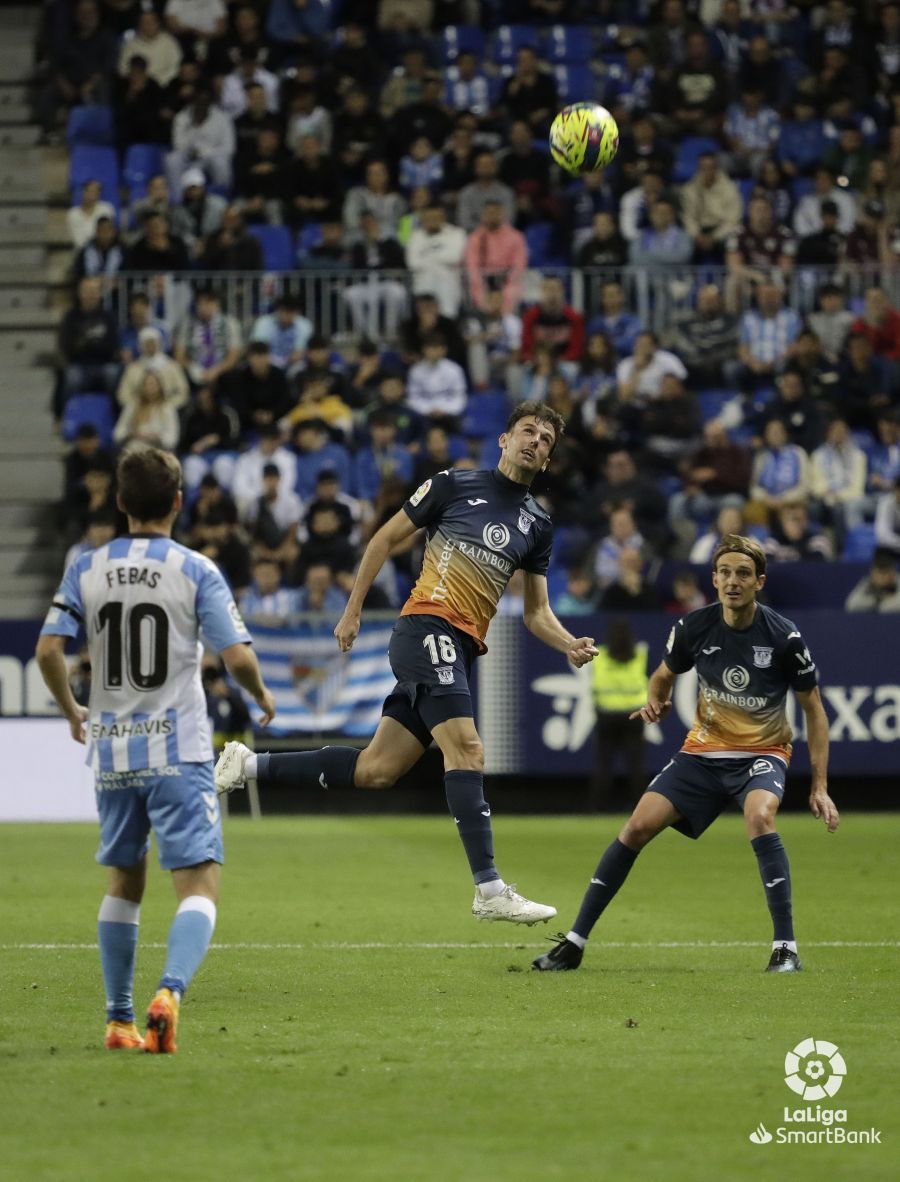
[(814, 1070)]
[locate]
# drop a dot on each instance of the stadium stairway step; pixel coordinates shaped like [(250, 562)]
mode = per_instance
[(33, 561), (26, 346), (26, 223), (13, 296), (35, 478), (20, 135), (30, 174)]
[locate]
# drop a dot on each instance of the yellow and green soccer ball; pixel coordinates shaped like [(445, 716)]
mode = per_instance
[(583, 137)]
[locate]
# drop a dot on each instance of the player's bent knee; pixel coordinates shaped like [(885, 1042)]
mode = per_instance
[(636, 835), (370, 774)]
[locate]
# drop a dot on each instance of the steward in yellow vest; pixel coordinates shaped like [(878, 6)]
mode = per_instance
[(620, 686)]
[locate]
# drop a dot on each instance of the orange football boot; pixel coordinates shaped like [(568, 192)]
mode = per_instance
[(123, 1036), (162, 1022)]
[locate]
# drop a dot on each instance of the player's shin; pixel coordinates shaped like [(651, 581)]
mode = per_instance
[(775, 872), (117, 935), (189, 938), (472, 814), (611, 872), (330, 767)]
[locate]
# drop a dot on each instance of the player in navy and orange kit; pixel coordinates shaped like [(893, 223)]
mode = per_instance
[(747, 657), (480, 527)]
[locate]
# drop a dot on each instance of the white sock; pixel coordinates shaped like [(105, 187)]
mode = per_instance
[(791, 944), (490, 890), (250, 767), (574, 938)]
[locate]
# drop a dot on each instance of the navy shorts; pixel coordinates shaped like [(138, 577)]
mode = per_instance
[(701, 788), (432, 662)]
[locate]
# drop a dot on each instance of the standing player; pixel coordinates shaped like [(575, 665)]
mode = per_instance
[(142, 599), (747, 658), (481, 526)]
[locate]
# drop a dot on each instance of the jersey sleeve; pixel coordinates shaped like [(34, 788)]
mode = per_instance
[(220, 620), (66, 614), (678, 655), (537, 560), (429, 500), (797, 665)]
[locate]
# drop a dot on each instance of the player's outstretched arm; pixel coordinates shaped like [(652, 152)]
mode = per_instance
[(541, 621), (820, 803), (659, 696), (51, 659), (376, 554), (240, 661)]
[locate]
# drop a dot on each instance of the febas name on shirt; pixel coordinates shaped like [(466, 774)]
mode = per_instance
[(130, 576)]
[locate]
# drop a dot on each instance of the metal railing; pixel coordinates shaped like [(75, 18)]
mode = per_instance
[(347, 304)]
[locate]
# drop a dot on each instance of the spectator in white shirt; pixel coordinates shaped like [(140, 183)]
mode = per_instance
[(158, 48), (838, 476), (436, 386), (887, 520), (634, 208), (808, 214), (82, 218), (197, 18), (434, 255), (639, 377), (202, 134), (248, 481), (308, 118), (233, 98)]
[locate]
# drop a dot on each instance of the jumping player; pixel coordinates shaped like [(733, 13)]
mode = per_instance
[(480, 526), (747, 657), (142, 600)]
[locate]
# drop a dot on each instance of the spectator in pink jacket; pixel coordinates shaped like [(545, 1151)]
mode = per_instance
[(496, 249)]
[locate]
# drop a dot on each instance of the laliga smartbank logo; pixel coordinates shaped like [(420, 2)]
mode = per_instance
[(814, 1070)]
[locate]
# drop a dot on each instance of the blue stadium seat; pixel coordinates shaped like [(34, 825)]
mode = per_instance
[(457, 39), (142, 161), (802, 186), (309, 236), (712, 401), (568, 45), (746, 185), (95, 164), (95, 409), (539, 236), (509, 39), (859, 544), (92, 125), (486, 415), (277, 246), (575, 84), (689, 152)]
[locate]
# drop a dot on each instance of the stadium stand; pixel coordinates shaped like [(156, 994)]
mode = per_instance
[(279, 220)]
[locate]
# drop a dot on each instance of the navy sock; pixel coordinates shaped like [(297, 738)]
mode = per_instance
[(776, 877), (330, 767), (472, 814), (611, 872)]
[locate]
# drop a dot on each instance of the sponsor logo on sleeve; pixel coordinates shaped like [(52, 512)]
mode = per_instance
[(420, 494)]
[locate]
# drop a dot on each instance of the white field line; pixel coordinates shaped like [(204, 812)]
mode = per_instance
[(426, 947)]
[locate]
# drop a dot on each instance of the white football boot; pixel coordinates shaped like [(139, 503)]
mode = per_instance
[(229, 770), (512, 907)]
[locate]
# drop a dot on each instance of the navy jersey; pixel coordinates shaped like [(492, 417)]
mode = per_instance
[(481, 527), (744, 679)]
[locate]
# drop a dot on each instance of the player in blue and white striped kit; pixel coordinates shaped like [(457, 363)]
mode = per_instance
[(142, 601)]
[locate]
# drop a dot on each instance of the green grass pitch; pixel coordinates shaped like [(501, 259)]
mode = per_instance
[(355, 1023)]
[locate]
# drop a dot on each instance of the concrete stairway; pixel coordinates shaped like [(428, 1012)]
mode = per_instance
[(30, 453)]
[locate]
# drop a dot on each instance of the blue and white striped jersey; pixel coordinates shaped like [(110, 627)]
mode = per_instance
[(143, 601)]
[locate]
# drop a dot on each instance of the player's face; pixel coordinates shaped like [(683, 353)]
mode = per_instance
[(528, 444), (736, 581)]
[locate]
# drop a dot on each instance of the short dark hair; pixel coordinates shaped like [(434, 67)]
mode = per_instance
[(259, 349), (738, 544), (148, 479), (543, 413)]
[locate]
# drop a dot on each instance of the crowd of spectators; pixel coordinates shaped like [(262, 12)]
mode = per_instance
[(758, 174)]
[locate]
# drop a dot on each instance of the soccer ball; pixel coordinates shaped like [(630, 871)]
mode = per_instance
[(583, 137)]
